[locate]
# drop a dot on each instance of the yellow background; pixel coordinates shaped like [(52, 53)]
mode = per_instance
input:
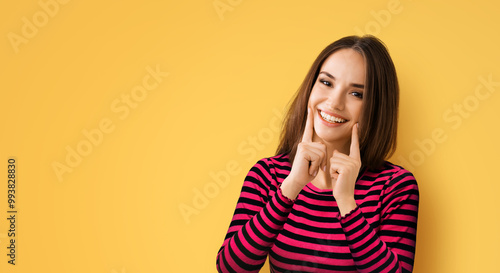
[(230, 75)]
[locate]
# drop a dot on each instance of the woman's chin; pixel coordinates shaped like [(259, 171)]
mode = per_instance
[(332, 140)]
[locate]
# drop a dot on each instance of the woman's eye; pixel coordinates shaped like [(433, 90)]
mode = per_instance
[(327, 83), (357, 94)]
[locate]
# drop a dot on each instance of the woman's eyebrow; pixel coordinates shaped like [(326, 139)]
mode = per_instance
[(357, 85), (328, 74)]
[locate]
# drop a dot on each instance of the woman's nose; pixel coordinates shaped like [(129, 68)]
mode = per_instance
[(336, 100)]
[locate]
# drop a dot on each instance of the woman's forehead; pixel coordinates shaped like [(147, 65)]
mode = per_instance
[(345, 65)]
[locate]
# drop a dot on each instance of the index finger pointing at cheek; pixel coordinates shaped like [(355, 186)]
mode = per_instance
[(308, 130), (354, 152)]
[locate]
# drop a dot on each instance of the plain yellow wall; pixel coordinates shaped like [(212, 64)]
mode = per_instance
[(121, 115)]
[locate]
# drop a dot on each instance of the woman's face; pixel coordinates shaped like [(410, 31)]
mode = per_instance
[(337, 97)]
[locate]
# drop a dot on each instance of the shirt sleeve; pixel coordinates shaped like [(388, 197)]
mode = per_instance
[(259, 216), (392, 247)]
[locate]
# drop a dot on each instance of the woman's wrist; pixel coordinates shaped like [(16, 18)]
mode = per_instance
[(290, 189), (346, 205)]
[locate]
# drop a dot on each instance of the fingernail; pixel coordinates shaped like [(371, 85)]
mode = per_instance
[(324, 168), (315, 173)]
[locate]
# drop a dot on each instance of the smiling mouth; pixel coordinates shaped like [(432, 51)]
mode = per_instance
[(331, 119)]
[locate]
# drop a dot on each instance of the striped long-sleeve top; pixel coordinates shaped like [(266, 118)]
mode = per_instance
[(309, 235)]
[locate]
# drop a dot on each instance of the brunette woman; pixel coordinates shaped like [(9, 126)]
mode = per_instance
[(329, 201)]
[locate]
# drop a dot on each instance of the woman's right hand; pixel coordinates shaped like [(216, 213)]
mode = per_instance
[(309, 158)]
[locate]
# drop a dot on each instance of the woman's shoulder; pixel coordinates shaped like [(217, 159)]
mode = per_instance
[(274, 168), (392, 175), (281, 161)]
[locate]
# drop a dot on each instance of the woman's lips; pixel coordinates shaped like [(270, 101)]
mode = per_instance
[(331, 119)]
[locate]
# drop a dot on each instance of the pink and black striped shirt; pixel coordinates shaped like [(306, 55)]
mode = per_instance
[(309, 235)]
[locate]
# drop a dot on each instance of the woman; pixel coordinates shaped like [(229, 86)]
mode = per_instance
[(328, 201)]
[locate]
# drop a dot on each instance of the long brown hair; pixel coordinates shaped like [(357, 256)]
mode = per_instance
[(378, 131)]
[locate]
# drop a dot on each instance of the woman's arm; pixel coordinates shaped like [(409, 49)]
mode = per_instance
[(259, 216), (392, 247), (257, 222)]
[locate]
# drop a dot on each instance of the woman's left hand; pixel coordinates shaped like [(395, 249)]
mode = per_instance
[(344, 171)]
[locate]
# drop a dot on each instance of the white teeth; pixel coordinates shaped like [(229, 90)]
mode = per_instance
[(332, 119)]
